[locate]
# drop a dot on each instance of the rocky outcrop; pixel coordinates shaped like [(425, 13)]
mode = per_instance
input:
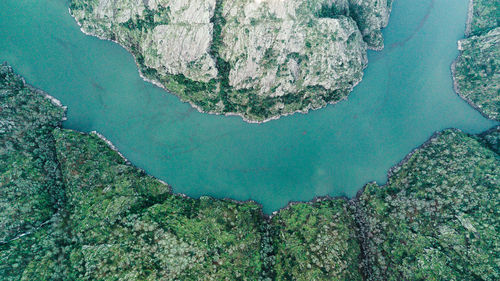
[(256, 58), (371, 16), (174, 37), (281, 47)]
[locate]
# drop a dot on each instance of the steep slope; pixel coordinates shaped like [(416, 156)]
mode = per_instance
[(256, 58), (129, 226), (31, 190)]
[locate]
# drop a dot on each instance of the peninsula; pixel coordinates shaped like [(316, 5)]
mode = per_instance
[(259, 59)]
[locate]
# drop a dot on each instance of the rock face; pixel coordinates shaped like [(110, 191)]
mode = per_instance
[(256, 58), (475, 71), (278, 47), (182, 45), (371, 16)]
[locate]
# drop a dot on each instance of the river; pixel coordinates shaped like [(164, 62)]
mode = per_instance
[(406, 95)]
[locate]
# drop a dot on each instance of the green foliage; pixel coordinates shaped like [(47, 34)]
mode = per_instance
[(330, 11), (35, 256), (30, 183), (316, 241), (149, 19), (125, 215), (486, 16), (476, 70), (369, 15), (491, 139), (81, 5), (29, 180), (73, 209), (112, 216), (438, 216)]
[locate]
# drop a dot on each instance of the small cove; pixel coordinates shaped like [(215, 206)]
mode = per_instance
[(405, 96)]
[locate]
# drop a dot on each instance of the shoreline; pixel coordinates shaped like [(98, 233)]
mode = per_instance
[(320, 198), (52, 99), (464, 98), (290, 204), (315, 199), (111, 145), (454, 63), (305, 110), (266, 217)]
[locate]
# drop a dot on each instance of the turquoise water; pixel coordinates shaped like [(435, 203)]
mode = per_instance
[(405, 96)]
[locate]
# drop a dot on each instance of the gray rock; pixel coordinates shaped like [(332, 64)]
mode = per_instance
[(255, 58)]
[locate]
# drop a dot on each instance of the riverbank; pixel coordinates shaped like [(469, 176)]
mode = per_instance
[(253, 105), (460, 49), (457, 91), (197, 107), (473, 71), (108, 199), (290, 203)]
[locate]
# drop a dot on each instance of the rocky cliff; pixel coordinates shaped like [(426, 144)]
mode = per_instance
[(256, 58)]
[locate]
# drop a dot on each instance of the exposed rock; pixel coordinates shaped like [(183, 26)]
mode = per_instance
[(276, 50), (181, 49), (371, 16), (256, 58)]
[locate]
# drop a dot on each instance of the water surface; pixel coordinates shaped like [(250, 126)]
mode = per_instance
[(405, 96)]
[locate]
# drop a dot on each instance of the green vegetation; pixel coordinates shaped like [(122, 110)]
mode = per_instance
[(331, 11), (73, 209), (438, 216), (107, 220), (127, 225), (477, 69), (485, 16), (317, 241), (28, 170), (31, 190), (491, 139), (370, 19)]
